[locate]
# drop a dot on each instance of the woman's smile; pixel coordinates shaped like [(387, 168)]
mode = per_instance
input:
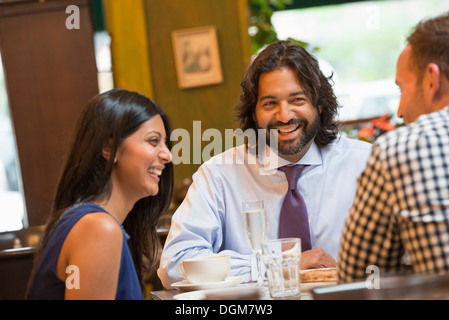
[(155, 173)]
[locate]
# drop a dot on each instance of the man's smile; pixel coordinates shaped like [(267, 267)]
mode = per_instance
[(288, 130)]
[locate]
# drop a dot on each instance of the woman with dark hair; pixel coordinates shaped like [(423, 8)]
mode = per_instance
[(286, 97), (117, 181)]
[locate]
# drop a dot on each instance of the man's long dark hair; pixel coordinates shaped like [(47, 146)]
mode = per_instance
[(285, 54), (110, 118)]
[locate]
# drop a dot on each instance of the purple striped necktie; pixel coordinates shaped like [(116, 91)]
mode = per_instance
[(294, 221)]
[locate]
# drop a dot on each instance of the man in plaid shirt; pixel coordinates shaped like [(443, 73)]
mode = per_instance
[(402, 200)]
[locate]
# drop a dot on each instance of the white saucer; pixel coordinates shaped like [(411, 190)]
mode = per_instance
[(187, 286), (239, 292), (308, 286)]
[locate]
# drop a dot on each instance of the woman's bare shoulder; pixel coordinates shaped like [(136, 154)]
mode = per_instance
[(99, 224)]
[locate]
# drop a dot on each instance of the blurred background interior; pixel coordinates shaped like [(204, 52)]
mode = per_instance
[(54, 58)]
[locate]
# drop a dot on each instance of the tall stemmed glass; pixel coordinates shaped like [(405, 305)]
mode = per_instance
[(255, 227)]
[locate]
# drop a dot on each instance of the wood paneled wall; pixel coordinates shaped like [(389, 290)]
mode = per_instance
[(213, 104), (50, 75)]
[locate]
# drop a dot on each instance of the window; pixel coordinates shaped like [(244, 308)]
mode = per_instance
[(12, 208), (360, 42), (102, 41)]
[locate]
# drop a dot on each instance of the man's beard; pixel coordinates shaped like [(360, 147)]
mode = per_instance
[(294, 146)]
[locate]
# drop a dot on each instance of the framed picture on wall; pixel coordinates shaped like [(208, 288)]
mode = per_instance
[(197, 57)]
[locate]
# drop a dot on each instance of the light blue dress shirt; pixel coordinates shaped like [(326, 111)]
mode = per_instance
[(209, 219)]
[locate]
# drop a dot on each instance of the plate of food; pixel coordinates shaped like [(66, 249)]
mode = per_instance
[(313, 278)]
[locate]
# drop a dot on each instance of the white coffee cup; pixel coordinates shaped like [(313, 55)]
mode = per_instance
[(205, 269)]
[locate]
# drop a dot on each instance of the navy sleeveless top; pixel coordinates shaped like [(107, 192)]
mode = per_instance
[(46, 283)]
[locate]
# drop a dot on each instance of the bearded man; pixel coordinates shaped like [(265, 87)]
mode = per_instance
[(286, 97)]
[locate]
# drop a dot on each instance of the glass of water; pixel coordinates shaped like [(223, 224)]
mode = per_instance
[(282, 259), (255, 227)]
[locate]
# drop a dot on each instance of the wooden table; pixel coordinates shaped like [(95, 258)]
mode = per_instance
[(390, 287), (164, 294)]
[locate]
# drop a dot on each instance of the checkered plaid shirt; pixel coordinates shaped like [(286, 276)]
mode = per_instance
[(402, 203)]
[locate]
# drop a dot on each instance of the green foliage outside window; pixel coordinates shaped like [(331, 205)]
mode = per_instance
[(261, 30)]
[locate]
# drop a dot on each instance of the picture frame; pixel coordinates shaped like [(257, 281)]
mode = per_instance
[(197, 57)]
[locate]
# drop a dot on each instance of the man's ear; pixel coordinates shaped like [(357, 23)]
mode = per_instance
[(431, 80), (107, 151)]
